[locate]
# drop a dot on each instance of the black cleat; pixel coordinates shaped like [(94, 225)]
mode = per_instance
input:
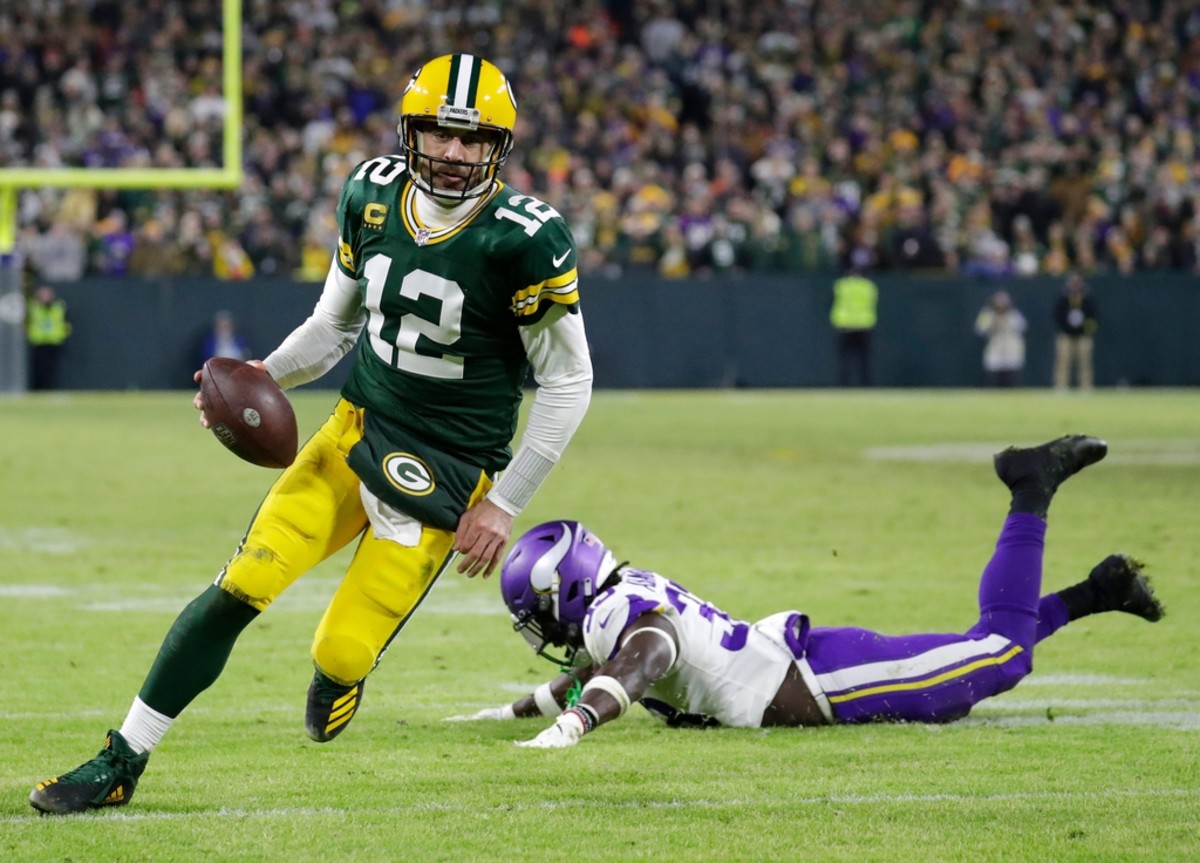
[(331, 706), (109, 779), (1118, 584), (1034, 474)]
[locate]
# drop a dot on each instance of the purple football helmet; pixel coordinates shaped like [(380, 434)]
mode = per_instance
[(550, 577)]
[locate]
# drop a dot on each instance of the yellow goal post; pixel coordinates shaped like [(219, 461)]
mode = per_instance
[(228, 176)]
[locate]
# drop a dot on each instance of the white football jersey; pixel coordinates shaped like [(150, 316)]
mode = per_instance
[(727, 670)]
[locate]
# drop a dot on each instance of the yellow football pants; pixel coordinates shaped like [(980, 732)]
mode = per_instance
[(313, 510)]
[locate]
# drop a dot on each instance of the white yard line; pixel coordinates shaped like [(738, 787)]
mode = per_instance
[(675, 804), (1177, 720)]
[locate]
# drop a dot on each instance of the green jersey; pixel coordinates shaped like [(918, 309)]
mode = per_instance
[(441, 355)]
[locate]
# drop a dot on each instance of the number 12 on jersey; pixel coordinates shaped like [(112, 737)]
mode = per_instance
[(411, 329)]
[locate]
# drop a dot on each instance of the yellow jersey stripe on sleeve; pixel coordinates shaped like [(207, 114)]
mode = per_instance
[(345, 255), (563, 289)]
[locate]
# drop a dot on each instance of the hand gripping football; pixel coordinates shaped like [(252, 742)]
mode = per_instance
[(248, 412)]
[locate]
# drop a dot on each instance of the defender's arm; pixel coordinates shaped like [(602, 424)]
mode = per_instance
[(648, 651)]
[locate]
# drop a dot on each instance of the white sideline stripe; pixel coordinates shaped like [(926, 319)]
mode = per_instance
[(1176, 720), (312, 593), (1008, 705), (44, 540), (593, 805), (1165, 451), (484, 607), (1037, 679), (32, 591)]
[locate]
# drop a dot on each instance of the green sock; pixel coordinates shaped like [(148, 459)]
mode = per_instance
[(195, 650)]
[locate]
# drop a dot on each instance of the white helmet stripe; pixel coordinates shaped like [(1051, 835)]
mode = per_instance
[(462, 87), (543, 575)]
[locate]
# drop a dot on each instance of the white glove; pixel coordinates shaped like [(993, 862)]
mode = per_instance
[(505, 712), (565, 731)]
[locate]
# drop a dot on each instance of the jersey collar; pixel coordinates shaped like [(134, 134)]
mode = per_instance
[(428, 224)]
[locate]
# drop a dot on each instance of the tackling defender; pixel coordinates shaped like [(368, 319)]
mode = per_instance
[(457, 285), (637, 636)]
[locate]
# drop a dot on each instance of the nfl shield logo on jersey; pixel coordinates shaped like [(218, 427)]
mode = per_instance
[(422, 236)]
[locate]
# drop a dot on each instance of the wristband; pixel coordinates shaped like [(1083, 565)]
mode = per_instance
[(520, 480), (546, 703), (586, 718)]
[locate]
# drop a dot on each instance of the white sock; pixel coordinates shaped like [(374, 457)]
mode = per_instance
[(144, 728)]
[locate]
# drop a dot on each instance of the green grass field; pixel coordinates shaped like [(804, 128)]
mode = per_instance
[(876, 509)]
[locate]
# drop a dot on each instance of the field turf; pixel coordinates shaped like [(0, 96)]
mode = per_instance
[(876, 509)]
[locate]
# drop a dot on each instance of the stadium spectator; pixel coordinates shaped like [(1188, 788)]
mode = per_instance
[(1075, 114), (58, 255), (112, 244), (224, 340), (631, 635), (1076, 320), (405, 469), (1003, 326), (153, 254)]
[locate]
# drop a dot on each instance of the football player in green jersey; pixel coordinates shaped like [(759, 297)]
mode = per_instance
[(450, 287)]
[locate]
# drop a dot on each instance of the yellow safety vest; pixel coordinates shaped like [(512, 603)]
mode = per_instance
[(854, 300), (48, 324)]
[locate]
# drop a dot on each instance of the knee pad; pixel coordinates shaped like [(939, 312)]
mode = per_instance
[(343, 658)]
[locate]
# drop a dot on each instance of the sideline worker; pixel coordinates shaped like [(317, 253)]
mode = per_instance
[(46, 329), (853, 315)]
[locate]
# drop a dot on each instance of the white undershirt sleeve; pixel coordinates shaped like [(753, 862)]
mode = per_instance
[(314, 347), (562, 368)]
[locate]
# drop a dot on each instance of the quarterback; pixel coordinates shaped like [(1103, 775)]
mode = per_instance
[(633, 635), (450, 287)]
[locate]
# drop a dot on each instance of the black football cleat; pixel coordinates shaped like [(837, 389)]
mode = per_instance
[(331, 706), (1118, 584), (1034, 474), (109, 779)]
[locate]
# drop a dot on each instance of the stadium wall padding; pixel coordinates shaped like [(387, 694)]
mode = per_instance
[(749, 331)]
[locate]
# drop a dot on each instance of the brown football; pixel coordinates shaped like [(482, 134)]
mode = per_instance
[(248, 412)]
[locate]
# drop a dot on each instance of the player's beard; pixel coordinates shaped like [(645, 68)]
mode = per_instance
[(446, 193)]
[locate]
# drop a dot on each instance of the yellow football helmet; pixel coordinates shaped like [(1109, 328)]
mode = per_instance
[(464, 92)]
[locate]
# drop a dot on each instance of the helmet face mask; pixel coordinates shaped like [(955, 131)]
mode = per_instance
[(544, 634), (548, 580), (457, 96)]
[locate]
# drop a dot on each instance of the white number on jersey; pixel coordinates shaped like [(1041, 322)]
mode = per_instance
[(445, 331), (540, 211), (384, 169)]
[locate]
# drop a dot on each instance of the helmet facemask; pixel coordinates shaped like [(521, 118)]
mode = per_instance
[(543, 633), (479, 175)]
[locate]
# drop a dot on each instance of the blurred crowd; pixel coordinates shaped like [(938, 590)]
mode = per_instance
[(989, 137)]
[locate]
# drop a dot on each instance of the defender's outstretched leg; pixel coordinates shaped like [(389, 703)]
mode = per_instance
[(1116, 583), (1034, 474)]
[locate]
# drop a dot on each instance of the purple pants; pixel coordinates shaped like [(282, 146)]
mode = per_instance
[(869, 677)]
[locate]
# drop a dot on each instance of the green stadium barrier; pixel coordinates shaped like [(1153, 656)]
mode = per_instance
[(760, 331)]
